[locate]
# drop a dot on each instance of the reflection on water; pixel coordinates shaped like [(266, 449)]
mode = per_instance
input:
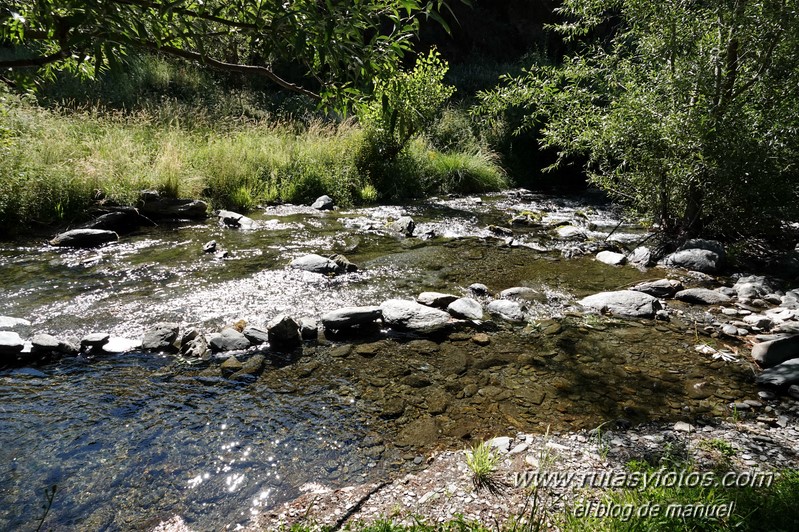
[(132, 439)]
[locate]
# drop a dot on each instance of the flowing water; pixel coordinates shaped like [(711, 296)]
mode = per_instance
[(132, 439)]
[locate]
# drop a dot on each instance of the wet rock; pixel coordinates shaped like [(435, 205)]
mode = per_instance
[(708, 245), (284, 331), (11, 344), (84, 238), (323, 203), (413, 316), (481, 339), (702, 296), (45, 344), (197, 347), (309, 328), (418, 433), (777, 351), (153, 205), (435, 299), (229, 340), (466, 308), (700, 260), (624, 303), (209, 247), (404, 225), (162, 337), (507, 310), (347, 317), (234, 220), (17, 325), (524, 293), (527, 219), (659, 288), (255, 335), (478, 289), (118, 345), (230, 366), (571, 232), (343, 265), (641, 257), (752, 287), (793, 391), (314, 263), (500, 231), (250, 368), (781, 375), (94, 340), (122, 221), (611, 257), (392, 408)]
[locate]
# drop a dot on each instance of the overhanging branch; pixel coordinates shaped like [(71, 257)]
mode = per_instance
[(31, 62)]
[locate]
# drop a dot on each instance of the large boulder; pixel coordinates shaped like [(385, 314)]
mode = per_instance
[(611, 258), (162, 337), (413, 316), (507, 310), (641, 257), (466, 308), (624, 303), (323, 203), (124, 220), (781, 375), (702, 296), (403, 225), (229, 340), (700, 243), (347, 317), (283, 331), (752, 287), (84, 238), (776, 351), (699, 260), (234, 220), (659, 288), (11, 344)]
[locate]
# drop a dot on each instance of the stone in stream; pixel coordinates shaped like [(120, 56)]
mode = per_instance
[(196, 347), (17, 325), (11, 344), (153, 205), (309, 328), (404, 225), (611, 258), (162, 337), (524, 293), (477, 289), (318, 264), (571, 232), (466, 308), (209, 247), (84, 238), (234, 220), (507, 310), (323, 203), (347, 317), (118, 345), (343, 264), (776, 351), (435, 299), (229, 340), (413, 316), (250, 368), (781, 375), (709, 245), (94, 340), (641, 257), (623, 303), (702, 296), (659, 288), (283, 331), (752, 287), (125, 220), (45, 344), (255, 335), (700, 260)]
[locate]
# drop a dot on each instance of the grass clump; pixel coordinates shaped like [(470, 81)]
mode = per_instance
[(483, 462)]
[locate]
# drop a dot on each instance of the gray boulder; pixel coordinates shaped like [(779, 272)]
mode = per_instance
[(403, 225), (571, 232), (700, 243), (235, 220), (162, 337), (784, 374), (777, 351), (611, 257), (314, 263), (507, 310), (700, 260), (255, 335), (309, 328), (702, 296), (435, 299), (659, 288), (343, 264), (196, 347), (624, 303), (752, 287), (413, 316), (466, 308), (229, 340), (94, 340), (283, 331), (11, 344), (84, 238), (347, 317), (641, 257), (758, 320), (45, 344), (323, 203), (122, 221), (153, 205), (478, 289)]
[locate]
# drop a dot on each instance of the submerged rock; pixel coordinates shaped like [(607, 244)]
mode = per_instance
[(659, 288), (84, 238), (466, 308), (323, 203), (702, 296), (413, 316), (777, 351), (624, 303), (347, 317)]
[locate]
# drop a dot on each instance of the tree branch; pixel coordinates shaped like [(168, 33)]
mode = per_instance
[(188, 12), (31, 62)]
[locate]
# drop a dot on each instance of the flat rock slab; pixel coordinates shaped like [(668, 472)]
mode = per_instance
[(94, 340), (702, 296), (10, 343), (413, 316), (623, 303), (659, 288), (347, 317), (466, 308), (777, 351), (255, 335), (84, 238), (436, 299), (315, 264), (174, 208), (781, 375), (235, 220), (612, 258), (507, 310), (17, 325), (118, 345), (699, 260)]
